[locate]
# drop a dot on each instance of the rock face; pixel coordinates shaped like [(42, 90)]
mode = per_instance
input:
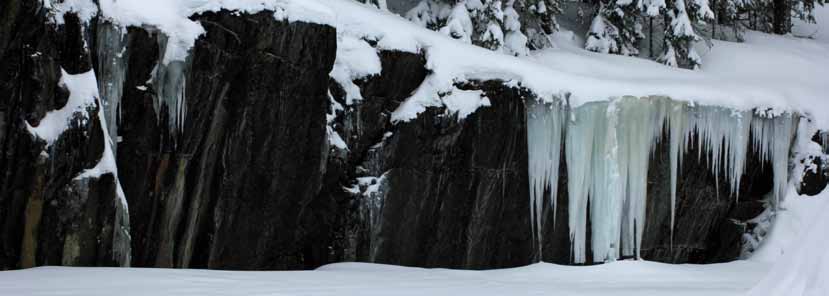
[(451, 188), (234, 188), (707, 213), (48, 215), (242, 175), (816, 168)]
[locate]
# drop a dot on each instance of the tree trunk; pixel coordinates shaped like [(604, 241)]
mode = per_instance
[(781, 16)]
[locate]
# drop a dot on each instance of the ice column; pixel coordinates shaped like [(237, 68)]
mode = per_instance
[(677, 116), (545, 128), (639, 127), (585, 138), (772, 137), (724, 133), (607, 181), (608, 149)]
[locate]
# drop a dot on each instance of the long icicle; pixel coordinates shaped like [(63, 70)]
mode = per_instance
[(587, 122), (678, 130), (545, 127)]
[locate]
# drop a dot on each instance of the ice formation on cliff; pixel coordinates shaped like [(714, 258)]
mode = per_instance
[(608, 147)]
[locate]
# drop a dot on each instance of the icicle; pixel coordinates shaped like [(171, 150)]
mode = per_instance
[(772, 139), (169, 80), (721, 130), (545, 127), (587, 123), (112, 67), (608, 153), (609, 147), (606, 202), (678, 129), (640, 126)]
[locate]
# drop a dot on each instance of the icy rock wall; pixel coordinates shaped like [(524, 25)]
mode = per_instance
[(417, 206), (608, 149), (238, 158)]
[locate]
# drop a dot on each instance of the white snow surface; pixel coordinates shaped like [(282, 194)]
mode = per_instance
[(798, 246), (85, 9), (766, 71), (818, 31), (465, 102), (619, 278), (171, 17), (356, 59)]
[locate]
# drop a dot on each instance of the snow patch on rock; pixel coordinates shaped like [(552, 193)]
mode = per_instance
[(83, 92), (85, 9), (356, 59), (171, 17), (465, 102)]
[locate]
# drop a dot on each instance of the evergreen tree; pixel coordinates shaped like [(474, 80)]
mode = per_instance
[(487, 23), (678, 49), (498, 25), (616, 29), (538, 21)]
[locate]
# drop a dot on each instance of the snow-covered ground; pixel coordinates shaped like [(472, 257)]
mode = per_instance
[(620, 278), (818, 31)]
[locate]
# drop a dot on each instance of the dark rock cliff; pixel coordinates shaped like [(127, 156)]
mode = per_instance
[(234, 188), (246, 178), (48, 216), (453, 192)]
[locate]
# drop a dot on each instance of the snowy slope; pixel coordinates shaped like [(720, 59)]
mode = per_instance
[(781, 72), (798, 247), (818, 31), (784, 73)]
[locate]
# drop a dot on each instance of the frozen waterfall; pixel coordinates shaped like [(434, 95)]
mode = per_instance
[(608, 146)]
